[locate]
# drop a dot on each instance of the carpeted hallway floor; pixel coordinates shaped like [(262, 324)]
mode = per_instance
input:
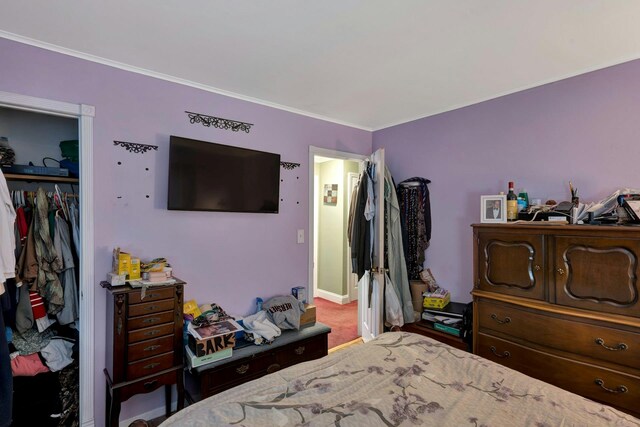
[(342, 318)]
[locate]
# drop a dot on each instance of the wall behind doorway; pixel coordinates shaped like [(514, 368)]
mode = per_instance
[(332, 225)]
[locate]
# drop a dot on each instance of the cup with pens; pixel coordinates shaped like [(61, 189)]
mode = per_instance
[(574, 194)]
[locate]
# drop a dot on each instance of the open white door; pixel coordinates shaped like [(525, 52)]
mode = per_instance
[(370, 308)]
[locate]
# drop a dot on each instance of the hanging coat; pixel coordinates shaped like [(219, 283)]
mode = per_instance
[(395, 254), (49, 263)]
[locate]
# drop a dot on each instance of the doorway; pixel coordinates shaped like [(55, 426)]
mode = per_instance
[(334, 287)]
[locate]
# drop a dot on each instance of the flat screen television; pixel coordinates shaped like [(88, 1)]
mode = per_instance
[(205, 176)]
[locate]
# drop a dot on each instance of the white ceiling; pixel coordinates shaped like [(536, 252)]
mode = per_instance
[(366, 63)]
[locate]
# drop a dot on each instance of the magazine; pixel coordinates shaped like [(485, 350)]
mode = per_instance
[(223, 327)]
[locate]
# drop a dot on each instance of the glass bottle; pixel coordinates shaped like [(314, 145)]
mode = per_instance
[(512, 204)]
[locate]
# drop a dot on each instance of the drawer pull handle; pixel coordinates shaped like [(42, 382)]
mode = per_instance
[(536, 267), (152, 307), (506, 319), (504, 354), (150, 384), (619, 389), (621, 346), (560, 271), (152, 295), (242, 369), (150, 333), (151, 320), (299, 350), (273, 368), (151, 348), (151, 366)]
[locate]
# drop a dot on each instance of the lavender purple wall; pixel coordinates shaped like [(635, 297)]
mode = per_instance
[(227, 258), (584, 129)]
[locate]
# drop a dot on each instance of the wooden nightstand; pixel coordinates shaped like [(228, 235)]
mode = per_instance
[(144, 344), (424, 328)]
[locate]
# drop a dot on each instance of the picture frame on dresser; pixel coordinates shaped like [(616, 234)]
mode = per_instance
[(493, 208)]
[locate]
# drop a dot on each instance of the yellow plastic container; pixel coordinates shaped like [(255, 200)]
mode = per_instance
[(432, 302)]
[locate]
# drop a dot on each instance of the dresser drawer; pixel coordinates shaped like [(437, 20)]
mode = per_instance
[(612, 387), (150, 320), (302, 351), (152, 332), (149, 384), (150, 365), (599, 342), (153, 294), (150, 307), (229, 375), (150, 348)]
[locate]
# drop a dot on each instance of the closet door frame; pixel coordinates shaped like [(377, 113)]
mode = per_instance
[(84, 114)]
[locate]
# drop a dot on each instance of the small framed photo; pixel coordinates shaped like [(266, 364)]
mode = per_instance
[(493, 208)]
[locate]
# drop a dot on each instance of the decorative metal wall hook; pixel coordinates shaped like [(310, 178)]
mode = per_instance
[(218, 122), (289, 165), (135, 147)]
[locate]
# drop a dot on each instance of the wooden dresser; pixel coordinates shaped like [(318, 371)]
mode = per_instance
[(144, 344), (560, 303), (252, 361)]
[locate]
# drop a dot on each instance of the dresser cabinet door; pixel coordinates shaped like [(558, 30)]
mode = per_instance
[(599, 274), (511, 264)]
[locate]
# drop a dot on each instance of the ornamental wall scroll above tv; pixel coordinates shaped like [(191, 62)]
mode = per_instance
[(218, 122)]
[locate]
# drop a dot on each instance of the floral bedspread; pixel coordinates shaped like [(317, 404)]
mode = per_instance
[(398, 379)]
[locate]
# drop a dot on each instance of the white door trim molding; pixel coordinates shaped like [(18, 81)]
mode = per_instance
[(84, 113)]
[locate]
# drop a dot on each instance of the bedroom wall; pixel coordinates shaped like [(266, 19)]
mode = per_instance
[(227, 258), (584, 129), (330, 230)]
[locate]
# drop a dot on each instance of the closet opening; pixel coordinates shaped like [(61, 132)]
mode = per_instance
[(47, 307), (333, 286)]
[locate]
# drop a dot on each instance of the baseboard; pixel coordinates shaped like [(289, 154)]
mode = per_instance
[(150, 415), (330, 296)]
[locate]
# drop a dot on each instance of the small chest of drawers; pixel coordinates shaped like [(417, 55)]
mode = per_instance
[(144, 344)]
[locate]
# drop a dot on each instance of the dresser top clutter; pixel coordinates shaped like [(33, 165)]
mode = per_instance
[(561, 303)]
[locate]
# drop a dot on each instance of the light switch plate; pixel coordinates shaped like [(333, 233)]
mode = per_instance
[(300, 236)]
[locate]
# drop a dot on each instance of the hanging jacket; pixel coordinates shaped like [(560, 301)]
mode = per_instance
[(49, 263)]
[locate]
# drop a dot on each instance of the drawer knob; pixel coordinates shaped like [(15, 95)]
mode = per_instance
[(242, 369), (273, 368), (504, 354), (621, 346), (506, 319), (536, 267), (151, 333), (617, 390), (152, 307), (150, 366), (299, 350), (151, 320), (151, 348), (560, 271), (150, 384)]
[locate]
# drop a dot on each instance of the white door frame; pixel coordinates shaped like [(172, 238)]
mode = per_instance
[(317, 151), (84, 114)]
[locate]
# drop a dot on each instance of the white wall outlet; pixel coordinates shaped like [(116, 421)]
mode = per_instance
[(300, 236)]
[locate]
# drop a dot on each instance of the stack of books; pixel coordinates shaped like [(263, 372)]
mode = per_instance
[(210, 343), (447, 319)]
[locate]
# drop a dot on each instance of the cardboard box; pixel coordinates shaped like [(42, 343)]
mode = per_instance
[(309, 315), (300, 293), (212, 338), (116, 279), (134, 269), (432, 302), (124, 263), (195, 362)]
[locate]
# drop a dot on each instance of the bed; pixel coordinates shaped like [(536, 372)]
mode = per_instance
[(398, 379)]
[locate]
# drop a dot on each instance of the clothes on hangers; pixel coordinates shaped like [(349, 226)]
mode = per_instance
[(415, 211), (7, 234), (62, 243)]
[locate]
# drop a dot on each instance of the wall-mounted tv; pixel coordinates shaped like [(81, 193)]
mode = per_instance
[(204, 176)]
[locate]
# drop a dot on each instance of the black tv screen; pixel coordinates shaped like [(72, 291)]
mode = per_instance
[(205, 176)]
